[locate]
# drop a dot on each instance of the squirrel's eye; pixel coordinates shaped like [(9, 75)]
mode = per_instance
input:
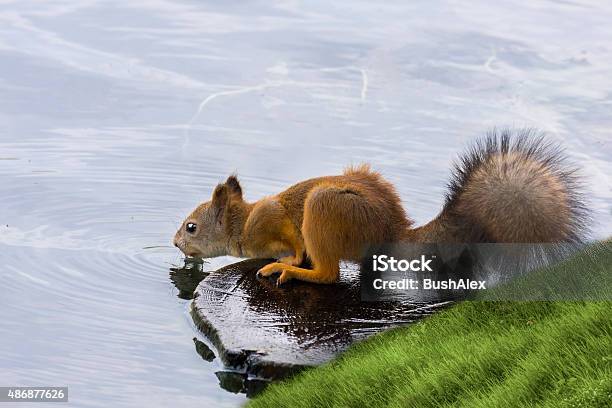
[(191, 227)]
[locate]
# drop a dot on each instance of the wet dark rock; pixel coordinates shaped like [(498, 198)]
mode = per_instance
[(270, 332)]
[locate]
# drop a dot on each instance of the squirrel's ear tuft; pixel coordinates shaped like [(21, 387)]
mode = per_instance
[(233, 186), (219, 200)]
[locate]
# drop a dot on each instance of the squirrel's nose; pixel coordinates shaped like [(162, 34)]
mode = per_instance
[(175, 242)]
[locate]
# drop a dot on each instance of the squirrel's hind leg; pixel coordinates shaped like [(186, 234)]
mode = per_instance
[(294, 240), (339, 222)]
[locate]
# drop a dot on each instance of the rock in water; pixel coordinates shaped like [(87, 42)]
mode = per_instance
[(271, 332)]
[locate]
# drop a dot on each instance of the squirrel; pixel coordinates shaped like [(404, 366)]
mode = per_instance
[(509, 187)]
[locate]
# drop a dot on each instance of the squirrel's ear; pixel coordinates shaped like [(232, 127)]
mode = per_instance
[(219, 200), (233, 185)]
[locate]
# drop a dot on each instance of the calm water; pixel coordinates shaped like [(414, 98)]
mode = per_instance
[(116, 119)]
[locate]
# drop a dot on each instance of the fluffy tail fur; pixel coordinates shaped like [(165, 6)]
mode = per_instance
[(510, 187)]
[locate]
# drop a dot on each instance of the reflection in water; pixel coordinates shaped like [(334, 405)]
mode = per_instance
[(203, 350), (187, 277), (236, 382), (231, 381)]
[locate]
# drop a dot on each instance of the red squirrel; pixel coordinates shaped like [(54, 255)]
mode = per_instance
[(509, 187)]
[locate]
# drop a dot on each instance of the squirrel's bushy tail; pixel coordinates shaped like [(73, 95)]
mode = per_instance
[(511, 187)]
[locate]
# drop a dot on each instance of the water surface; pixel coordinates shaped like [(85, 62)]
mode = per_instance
[(116, 119)]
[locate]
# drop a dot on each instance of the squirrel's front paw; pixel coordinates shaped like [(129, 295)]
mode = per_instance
[(270, 269), (275, 268)]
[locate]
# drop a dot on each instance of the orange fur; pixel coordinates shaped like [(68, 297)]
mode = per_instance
[(327, 218), (501, 192)]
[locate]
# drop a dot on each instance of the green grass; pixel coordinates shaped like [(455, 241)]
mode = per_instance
[(475, 354)]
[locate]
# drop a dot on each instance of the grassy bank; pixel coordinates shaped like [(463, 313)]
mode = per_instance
[(475, 354)]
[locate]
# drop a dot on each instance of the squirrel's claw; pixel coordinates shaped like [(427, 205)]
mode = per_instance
[(284, 277)]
